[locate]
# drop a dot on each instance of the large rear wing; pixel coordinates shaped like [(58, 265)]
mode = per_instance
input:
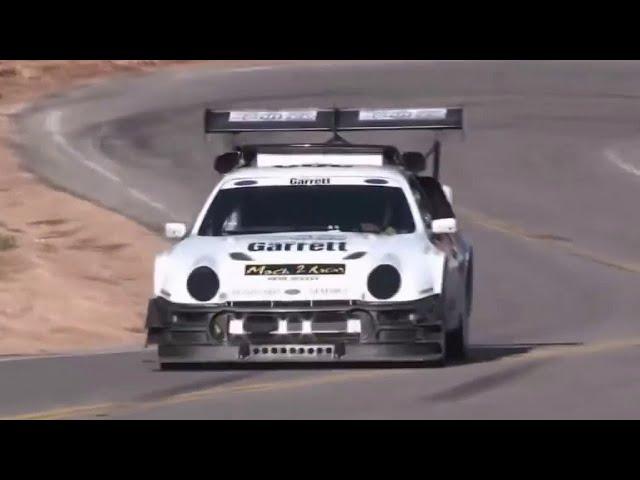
[(333, 120)]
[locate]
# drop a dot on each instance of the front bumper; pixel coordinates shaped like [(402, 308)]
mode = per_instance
[(296, 331)]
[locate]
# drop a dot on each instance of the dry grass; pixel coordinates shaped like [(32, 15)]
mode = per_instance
[(80, 276), (59, 288)]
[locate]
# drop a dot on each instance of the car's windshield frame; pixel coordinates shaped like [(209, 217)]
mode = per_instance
[(411, 223)]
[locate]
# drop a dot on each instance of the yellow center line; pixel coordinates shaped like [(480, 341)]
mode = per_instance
[(108, 408), (516, 231), (60, 412), (571, 351)]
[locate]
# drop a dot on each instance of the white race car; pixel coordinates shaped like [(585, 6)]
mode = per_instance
[(317, 252)]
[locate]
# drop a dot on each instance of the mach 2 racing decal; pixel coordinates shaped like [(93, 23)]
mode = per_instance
[(295, 269)]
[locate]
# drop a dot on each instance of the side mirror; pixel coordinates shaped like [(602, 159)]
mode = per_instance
[(448, 192), (444, 225), (226, 162), (414, 161), (175, 231)]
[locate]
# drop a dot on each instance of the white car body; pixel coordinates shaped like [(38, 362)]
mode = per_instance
[(419, 261), (316, 252)]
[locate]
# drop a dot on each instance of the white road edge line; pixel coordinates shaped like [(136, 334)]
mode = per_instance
[(52, 124), (140, 196), (205, 69), (614, 158)]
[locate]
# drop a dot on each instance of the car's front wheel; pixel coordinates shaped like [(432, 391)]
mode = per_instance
[(456, 340), (455, 347)]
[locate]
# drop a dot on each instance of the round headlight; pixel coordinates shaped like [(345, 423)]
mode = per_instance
[(384, 282), (203, 284)]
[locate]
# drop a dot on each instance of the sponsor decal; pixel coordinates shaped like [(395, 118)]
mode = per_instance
[(298, 246), (255, 292), (295, 269), (404, 114), (280, 116), (328, 291), (310, 181)]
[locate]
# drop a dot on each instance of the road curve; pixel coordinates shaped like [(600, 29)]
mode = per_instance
[(546, 181)]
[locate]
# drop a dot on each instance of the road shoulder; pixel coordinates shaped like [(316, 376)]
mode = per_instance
[(73, 276)]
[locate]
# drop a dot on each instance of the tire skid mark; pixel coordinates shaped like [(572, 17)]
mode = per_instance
[(193, 387), (52, 124), (521, 365), (486, 383)]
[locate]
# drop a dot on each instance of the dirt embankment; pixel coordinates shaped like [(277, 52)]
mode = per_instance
[(72, 275)]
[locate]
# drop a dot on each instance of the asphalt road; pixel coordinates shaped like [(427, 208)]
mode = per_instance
[(546, 181)]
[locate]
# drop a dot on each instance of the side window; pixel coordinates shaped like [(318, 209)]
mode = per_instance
[(441, 208), (421, 198)]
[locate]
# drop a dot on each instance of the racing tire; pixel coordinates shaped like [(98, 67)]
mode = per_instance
[(171, 367), (440, 363), (456, 340)]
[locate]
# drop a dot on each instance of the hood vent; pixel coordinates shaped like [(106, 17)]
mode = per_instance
[(355, 255), (240, 256)]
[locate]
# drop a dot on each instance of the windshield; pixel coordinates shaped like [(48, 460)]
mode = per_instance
[(273, 209)]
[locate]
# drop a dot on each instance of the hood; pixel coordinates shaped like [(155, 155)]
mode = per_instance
[(300, 266)]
